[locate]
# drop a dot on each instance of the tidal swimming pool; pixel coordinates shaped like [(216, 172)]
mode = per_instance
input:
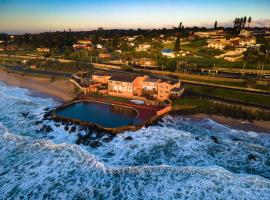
[(105, 115)]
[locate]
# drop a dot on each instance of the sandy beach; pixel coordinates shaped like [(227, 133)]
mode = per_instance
[(61, 89), (238, 124)]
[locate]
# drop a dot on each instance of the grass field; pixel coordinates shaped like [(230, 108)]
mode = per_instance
[(256, 99)]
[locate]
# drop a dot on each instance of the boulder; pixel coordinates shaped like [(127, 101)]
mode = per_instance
[(251, 157), (66, 128), (38, 122), (128, 138), (215, 139), (25, 114), (47, 115), (46, 128), (107, 138), (95, 144), (72, 129), (57, 125)]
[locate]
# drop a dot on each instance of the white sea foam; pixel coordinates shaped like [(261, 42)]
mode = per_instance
[(177, 159)]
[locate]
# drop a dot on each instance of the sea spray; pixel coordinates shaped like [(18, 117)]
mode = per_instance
[(179, 158)]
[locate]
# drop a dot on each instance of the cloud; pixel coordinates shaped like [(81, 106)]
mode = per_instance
[(261, 23)]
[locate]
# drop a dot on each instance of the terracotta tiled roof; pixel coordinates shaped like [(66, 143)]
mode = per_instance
[(124, 77), (176, 89), (170, 81), (103, 73), (153, 80)]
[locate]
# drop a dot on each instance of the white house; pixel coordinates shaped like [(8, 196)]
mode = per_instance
[(99, 46)]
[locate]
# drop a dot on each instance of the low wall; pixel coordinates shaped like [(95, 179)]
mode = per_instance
[(77, 84), (164, 110), (97, 127), (105, 66), (152, 120)]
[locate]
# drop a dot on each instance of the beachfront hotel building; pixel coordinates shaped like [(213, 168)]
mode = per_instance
[(101, 76), (129, 85), (125, 85)]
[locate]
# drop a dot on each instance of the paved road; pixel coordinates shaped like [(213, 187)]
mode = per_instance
[(108, 66)]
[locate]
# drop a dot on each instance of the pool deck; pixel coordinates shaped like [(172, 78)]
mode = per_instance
[(148, 114), (145, 111)]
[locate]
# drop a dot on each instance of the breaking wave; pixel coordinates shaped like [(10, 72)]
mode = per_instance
[(179, 158)]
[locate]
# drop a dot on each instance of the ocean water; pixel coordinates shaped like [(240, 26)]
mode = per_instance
[(179, 158)]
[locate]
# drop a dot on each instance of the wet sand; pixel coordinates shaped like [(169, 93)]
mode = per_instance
[(61, 89), (238, 124)]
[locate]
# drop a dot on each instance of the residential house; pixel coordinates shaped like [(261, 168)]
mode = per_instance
[(43, 50), (245, 33), (131, 44), (143, 47), (150, 87), (99, 46), (101, 76), (150, 84), (223, 43), (234, 55), (210, 34), (83, 45), (11, 48), (176, 92), (165, 87), (147, 62), (131, 85), (248, 42), (105, 55), (168, 53), (125, 84)]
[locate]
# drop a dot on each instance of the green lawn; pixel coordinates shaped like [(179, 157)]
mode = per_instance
[(232, 95)]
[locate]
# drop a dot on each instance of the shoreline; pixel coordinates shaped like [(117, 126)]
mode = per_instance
[(60, 89), (237, 124)]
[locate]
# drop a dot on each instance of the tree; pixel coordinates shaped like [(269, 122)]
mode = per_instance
[(241, 23), (215, 25), (244, 22), (235, 22), (177, 44), (180, 25), (249, 21)]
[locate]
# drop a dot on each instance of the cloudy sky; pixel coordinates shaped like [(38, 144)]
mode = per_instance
[(19, 16)]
